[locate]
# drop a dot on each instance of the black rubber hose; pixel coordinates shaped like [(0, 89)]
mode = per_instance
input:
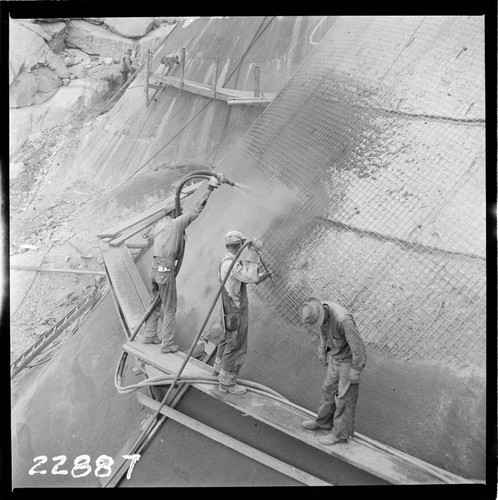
[(199, 173), (202, 174)]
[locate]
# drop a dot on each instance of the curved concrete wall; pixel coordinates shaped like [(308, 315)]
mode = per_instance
[(122, 141), (359, 177)]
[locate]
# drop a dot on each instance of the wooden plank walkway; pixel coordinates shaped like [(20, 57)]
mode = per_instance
[(234, 444), (129, 287), (158, 210), (397, 469), (232, 96)]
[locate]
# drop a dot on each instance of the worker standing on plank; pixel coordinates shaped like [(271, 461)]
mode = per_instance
[(126, 66), (232, 348), (168, 247), (343, 351)]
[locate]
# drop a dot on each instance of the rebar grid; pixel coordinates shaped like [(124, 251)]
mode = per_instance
[(382, 131)]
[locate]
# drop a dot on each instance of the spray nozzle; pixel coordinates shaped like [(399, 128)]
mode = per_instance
[(224, 180)]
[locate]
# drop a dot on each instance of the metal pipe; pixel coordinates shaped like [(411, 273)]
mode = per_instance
[(267, 270)]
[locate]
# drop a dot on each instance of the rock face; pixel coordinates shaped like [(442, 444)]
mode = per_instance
[(130, 27), (96, 40), (36, 28), (30, 120), (58, 64), (57, 32), (33, 88), (28, 48)]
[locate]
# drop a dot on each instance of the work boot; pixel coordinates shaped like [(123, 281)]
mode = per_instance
[(331, 439), (232, 389), (312, 425), (169, 348), (198, 350), (216, 367), (151, 340)]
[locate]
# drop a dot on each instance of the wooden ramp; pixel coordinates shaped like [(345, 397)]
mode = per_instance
[(129, 227), (231, 96), (127, 284), (396, 467)]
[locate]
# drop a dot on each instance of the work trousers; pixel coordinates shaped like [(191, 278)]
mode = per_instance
[(165, 283), (338, 412), (232, 350), (124, 76)]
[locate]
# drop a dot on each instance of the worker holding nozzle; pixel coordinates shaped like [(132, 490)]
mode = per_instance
[(343, 352), (232, 349), (168, 247)]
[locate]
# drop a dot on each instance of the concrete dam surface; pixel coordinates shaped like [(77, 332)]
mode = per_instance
[(365, 178)]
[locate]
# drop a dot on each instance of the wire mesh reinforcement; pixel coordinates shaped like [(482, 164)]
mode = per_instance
[(382, 134)]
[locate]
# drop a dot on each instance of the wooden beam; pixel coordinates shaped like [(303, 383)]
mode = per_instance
[(164, 206), (215, 77), (125, 235), (147, 76), (183, 66), (46, 269), (222, 93), (131, 292), (234, 444), (137, 244), (261, 102), (257, 90)]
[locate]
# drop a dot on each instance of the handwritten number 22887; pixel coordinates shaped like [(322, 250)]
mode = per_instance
[(82, 467)]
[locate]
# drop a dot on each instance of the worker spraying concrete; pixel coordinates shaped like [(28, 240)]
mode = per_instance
[(168, 249), (232, 348)]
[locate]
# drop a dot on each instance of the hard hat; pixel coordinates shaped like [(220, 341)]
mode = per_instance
[(234, 237)]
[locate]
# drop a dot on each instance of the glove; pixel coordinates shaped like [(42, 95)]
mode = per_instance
[(354, 376), (322, 356), (256, 244), (213, 183)]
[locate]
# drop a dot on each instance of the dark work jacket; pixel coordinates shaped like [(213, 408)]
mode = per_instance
[(340, 337)]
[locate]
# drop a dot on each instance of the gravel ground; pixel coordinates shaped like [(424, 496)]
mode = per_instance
[(56, 211)]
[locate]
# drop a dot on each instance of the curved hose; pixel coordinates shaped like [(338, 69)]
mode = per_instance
[(204, 174), (198, 379)]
